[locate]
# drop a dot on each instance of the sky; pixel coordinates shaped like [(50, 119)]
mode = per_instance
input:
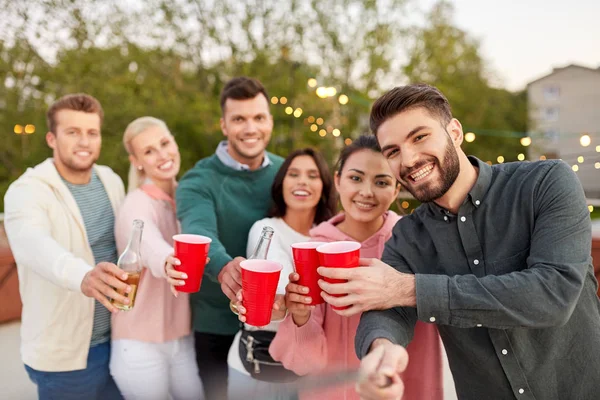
[(523, 40)]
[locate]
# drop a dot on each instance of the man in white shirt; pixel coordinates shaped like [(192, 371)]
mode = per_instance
[(59, 219)]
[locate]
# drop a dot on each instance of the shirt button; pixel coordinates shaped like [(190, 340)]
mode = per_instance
[(445, 218), (521, 391), (463, 219), (504, 351), (432, 319), (477, 202), (476, 262), (479, 325)]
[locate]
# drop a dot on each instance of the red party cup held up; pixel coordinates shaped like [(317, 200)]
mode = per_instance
[(259, 285), (192, 251), (306, 262), (339, 255)]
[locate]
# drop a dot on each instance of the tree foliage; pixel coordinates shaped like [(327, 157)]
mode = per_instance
[(443, 55), (170, 59)]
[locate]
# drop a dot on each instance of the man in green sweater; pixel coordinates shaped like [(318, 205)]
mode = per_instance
[(221, 197)]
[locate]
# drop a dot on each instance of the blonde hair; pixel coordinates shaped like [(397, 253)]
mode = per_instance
[(137, 126)]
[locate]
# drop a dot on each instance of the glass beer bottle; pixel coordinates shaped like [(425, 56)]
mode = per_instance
[(262, 247), (130, 261)]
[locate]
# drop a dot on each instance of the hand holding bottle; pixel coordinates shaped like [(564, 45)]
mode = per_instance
[(103, 282)]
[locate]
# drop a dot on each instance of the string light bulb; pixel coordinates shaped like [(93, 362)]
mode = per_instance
[(525, 141), (470, 137), (585, 140)]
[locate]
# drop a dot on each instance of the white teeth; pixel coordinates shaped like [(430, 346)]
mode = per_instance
[(364, 205), (300, 193), (422, 173), (83, 153), (166, 165), (251, 141)]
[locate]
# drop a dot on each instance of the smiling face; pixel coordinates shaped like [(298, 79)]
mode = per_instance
[(366, 186), (76, 141), (422, 152), (248, 125), (302, 185), (156, 152)]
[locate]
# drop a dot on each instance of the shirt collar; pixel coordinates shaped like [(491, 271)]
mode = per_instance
[(483, 182), (156, 193), (229, 161), (477, 193)]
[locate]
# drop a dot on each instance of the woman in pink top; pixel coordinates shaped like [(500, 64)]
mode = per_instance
[(152, 348), (314, 339)]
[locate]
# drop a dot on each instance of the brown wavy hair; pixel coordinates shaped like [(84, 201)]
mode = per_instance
[(326, 207)]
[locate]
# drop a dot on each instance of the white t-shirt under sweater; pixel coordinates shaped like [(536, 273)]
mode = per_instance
[(280, 250)]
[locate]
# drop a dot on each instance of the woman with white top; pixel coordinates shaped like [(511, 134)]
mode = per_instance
[(303, 196)]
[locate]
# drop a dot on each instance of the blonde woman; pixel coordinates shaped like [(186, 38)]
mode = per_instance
[(153, 350)]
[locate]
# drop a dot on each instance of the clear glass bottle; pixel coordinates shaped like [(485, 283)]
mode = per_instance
[(262, 247), (130, 261)]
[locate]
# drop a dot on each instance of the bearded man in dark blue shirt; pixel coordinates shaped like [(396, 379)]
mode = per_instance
[(497, 256)]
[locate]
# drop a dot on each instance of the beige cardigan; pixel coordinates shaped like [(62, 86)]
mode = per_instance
[(47, 236)]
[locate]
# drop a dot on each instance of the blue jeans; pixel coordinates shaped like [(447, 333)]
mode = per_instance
[(93, 383)]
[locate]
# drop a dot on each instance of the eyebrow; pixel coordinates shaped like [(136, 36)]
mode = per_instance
[(356, 170), (298, 169), (77, 128), (260, 114), (376, 176), (410, 134)]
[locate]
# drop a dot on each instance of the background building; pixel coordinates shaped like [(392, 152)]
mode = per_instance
[(564, 115)]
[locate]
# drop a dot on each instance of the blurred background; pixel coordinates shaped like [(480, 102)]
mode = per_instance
[(323, 63), (522, 77)]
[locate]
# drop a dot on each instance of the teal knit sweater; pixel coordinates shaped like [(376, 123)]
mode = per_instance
[(222, 203)]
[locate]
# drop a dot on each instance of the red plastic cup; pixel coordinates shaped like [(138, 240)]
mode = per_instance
[(259, 284), (192, 251), (339, 255), (306, 262)]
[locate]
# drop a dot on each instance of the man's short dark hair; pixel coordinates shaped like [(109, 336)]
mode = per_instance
[(242, 88), (75, 102), (404, 98)]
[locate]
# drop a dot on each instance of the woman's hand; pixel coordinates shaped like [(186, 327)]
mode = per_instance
[(174, 277), (277, 314), (297, 300)]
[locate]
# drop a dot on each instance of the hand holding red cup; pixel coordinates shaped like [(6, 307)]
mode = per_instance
[(192, 252), (343, 254)]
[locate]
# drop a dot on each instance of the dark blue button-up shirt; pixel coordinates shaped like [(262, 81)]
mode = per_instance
[(508, 280)]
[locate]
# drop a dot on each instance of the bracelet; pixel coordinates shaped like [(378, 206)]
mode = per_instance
[(287, 312)]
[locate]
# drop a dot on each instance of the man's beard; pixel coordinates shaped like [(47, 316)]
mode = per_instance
[(432, 191)]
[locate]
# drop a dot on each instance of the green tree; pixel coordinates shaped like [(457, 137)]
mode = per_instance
[(445, 56)]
